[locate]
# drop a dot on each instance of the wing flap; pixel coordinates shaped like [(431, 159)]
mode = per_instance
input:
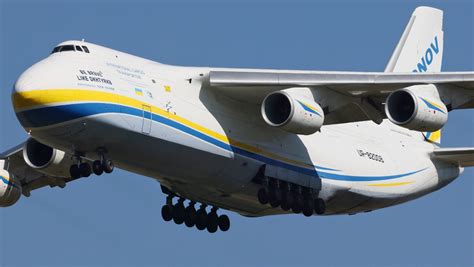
[(462, 156)]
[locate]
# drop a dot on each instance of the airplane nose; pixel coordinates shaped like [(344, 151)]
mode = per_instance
[(26, 94)]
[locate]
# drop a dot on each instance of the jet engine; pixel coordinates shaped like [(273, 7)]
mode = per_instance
[(45, 159), (415, 109), (10, 189), (292, 113)]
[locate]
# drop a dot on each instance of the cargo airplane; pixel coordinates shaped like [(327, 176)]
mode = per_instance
[(256, 142)]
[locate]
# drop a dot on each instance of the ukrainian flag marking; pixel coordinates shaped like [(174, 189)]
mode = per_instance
[(139, 91)]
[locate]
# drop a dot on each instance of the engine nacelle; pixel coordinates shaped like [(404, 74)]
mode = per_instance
[(292, 113), (45, 159), (417, 108), (10, 189)]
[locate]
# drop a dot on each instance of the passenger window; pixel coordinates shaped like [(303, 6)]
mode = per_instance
[(85, 49), (78, 48)]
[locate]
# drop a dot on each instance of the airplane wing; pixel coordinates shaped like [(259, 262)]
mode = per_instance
[(462, 156), (367, 91), (29, 178)]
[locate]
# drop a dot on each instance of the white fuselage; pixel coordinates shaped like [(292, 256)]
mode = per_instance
[(165, 122)]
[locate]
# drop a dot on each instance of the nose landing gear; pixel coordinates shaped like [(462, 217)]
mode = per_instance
[(191, 217)]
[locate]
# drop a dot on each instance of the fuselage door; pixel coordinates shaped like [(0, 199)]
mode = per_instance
[(147, 119)]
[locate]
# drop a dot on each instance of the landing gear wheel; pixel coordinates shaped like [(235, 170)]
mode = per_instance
[(97, 167), (201, 220), (190, 216), (85, 169), (297, 206), (108, 166), (275, 197), (308, 206), (224, 223), (212, 223), (262, 196), (75, 172), (167, 213), (285, 203), (319, 206), (178, 213)]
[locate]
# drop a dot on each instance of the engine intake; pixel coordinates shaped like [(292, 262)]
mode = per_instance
[(10, 189), (414, 109), (45, 159), (292, 113)]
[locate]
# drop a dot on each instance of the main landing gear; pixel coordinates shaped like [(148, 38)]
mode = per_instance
[(289, 196), (84, 169), (179, 213)]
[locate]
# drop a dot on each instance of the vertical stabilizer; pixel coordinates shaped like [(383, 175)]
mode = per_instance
[(420, 48)]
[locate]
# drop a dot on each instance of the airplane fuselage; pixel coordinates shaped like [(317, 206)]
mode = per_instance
[(167, 123)]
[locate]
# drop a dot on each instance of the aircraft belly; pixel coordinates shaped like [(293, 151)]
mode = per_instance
[(151, 155)]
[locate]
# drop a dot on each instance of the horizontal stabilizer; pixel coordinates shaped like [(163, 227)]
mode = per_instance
[(463, 156)]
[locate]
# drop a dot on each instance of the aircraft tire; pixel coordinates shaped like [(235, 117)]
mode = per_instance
[(297, 206), (108, 166), (285, 205), (190, 216), (97, 167), (274, 197), (201, 219), (308, 206), (224, 223), (262, 196), (178, 213), (290, 198), (167, 213), (212, 222), (319, 206), (85, 169), (74, 172)]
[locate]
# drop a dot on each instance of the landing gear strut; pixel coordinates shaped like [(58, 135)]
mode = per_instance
[(191, 217)]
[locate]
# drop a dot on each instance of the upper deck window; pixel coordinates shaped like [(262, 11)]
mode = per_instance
[(64, 48)]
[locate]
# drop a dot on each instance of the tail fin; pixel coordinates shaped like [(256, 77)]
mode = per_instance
[(420, 48)]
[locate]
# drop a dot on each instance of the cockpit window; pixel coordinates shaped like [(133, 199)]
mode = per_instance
[(67, 48), (63, 48), (56, 49)]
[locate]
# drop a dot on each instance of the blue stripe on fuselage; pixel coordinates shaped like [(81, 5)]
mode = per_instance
[(51, 115)]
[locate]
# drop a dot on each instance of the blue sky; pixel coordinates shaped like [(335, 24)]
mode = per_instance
[(115, 220)]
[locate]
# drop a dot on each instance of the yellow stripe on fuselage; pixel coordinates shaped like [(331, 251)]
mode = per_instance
[(391, 184), (39, 98)]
